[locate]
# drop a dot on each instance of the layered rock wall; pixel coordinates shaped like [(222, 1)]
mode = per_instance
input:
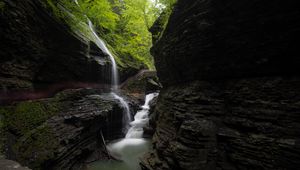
[(63, 132), (38, 50), (231, 87)]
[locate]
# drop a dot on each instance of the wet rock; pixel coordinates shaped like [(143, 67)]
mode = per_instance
[(212, 39), (38, 50), (11, 165), (62, 132), (144, 82), (242, 124), (231, 84)]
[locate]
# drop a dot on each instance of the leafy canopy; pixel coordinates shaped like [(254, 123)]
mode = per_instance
[(123, 24)]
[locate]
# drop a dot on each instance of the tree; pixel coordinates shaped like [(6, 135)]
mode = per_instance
[(123, 24)]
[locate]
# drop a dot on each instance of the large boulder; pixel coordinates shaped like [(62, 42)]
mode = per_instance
[(230, 94)]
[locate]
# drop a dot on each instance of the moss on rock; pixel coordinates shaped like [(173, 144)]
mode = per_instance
[(26, 120), (36, 147), (28, 115)]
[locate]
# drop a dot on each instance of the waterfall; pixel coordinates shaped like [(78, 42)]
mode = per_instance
[(140, 119), (127, 117), (114, 73), (100, 43), (114, 77)]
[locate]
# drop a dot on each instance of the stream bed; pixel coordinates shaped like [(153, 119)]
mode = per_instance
[(128, 151)]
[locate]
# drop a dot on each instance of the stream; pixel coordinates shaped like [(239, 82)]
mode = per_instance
[(129, 149)]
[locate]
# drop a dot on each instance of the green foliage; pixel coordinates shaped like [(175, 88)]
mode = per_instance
[(122, 24), (160, 24), (100, 12)]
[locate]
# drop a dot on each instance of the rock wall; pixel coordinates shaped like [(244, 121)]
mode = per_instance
[(231, 87), (36, 49), (63, 132)]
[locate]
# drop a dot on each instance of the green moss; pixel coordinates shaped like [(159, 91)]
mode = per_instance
[(36, 142), (2, 6), (160, 25), (28, 115), (36, 147)]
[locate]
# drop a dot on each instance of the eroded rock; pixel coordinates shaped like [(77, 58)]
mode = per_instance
[(64, 131), (231, 83)]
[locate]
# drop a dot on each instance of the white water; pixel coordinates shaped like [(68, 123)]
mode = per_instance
[(114, 77), (124, 104), (100, 43), (132, 147), (140, 119), (114, 73)]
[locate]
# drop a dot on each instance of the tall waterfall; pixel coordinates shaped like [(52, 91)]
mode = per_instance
[(100, 43), (114, 73), (114, 77)]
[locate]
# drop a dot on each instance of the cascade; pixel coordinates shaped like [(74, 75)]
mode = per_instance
[(100, 43), (127, 117), (140, 119), (130, 148), (114, 73), (133, 145)]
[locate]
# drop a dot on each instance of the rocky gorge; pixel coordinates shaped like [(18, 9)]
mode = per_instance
[(227, 72), (56, 108), (230, 97)]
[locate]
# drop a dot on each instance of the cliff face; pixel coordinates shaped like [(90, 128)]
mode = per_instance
[(231, 87), (40, 56), (63, 132), (37, 49), (221, 40)]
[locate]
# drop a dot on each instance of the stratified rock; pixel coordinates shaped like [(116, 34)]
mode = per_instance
[(231, 87), (11, 165), (210, 39), (64, 131), (144, 82), (37, 49)]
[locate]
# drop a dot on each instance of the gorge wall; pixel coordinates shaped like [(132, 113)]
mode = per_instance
[(231, 87), (44, 63), (37, 49)]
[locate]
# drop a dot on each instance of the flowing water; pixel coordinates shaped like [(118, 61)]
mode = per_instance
[(129, 149), (132, 147), (100, 43), (114, 74), (140, 119), (127, 116)]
